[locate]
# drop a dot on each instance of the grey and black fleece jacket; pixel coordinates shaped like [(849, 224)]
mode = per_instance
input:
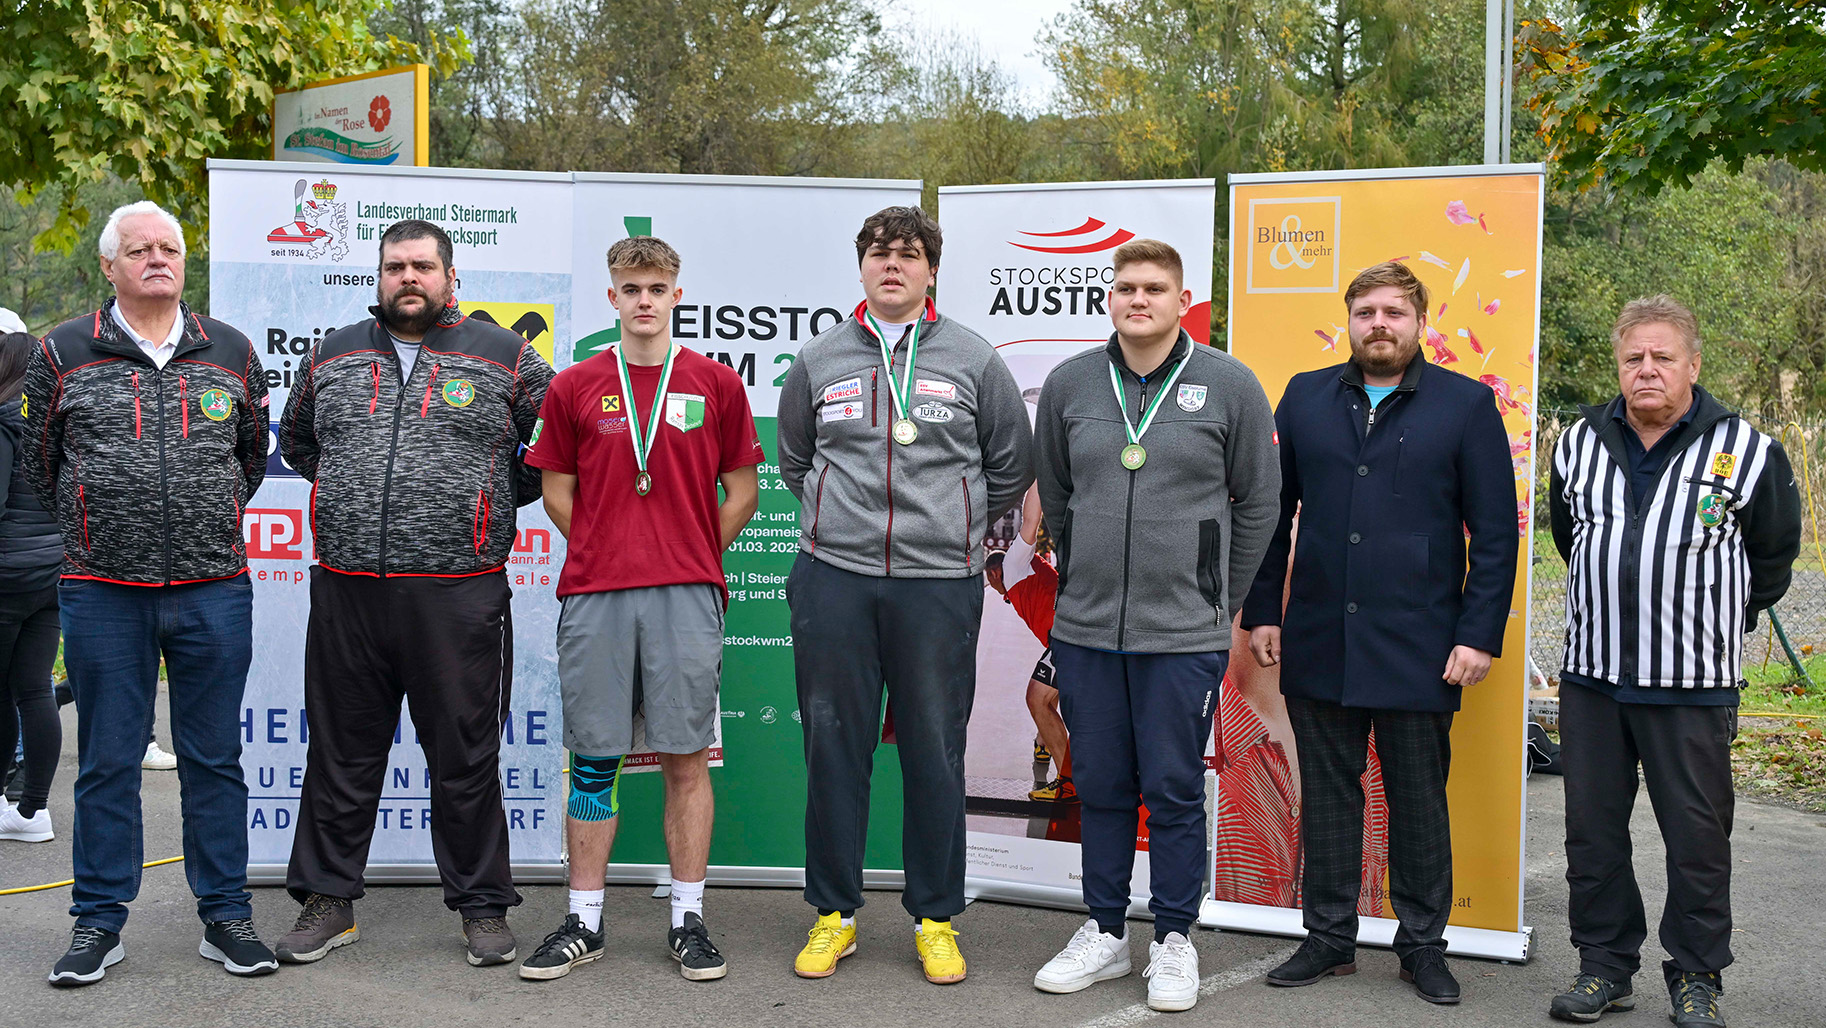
[(1159, 559), (875, 507), (147, 469), (420, 477)]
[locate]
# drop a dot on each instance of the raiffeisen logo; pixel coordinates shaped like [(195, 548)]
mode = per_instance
[(1086, 238)]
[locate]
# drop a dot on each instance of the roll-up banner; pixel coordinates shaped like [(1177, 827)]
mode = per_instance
[(293, 255), (767, 264), (1473, 235), (1028, 267)]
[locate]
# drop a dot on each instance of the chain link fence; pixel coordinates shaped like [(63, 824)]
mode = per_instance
[(1802, 611)]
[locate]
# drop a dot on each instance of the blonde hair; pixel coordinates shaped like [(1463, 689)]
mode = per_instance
[(1388, 273), (1652, 310), (1150, 251), (645, 253)]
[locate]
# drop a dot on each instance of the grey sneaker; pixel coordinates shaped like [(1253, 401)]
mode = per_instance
[(489, 941), (1591, 997), (325, 923), (1694, 996)]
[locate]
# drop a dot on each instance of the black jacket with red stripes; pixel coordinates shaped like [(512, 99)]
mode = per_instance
[(148, 469), (419, 477)]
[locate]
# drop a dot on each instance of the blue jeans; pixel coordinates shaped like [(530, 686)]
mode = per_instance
[(113, 636)]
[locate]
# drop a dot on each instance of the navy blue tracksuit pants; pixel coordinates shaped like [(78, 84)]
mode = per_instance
[(1138, 724)]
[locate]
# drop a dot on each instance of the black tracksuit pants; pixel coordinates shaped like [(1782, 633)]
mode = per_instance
[(851, 634), (1415, 750), (1685, 755), (446, 646)]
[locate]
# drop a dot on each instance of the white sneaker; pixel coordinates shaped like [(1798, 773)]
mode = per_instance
[(19, 828), (157, 759), (1172, 973), (1090, 957)]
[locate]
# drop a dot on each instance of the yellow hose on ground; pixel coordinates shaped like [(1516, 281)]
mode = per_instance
[(72, 881)]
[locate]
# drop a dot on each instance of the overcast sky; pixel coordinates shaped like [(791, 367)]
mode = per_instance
[(1005, 28)]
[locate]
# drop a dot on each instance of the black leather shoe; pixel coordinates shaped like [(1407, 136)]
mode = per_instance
[(1312, 961), (1591, 997), (1427, 970)]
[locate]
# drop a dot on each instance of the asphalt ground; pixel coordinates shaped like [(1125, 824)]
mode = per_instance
[(408, 969)]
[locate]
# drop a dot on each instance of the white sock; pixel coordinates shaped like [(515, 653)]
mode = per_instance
[(588, 906), (849, 922), (687, 898)]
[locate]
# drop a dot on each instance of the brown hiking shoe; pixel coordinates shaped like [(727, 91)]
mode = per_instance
[(490, 941), (325, 923)]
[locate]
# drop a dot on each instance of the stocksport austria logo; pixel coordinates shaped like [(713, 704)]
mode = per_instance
[(319, 227), (1089, 237), (216, 405)]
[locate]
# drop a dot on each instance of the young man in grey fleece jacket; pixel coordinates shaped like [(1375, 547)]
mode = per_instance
[(904, 437), (1160, 481)]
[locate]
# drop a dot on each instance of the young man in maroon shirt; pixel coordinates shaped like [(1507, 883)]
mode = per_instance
[(634, 443)]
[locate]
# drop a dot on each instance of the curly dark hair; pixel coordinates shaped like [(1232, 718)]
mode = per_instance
[(904, 223)]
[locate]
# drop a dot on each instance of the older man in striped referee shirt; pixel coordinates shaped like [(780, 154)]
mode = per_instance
[(1678, 522)]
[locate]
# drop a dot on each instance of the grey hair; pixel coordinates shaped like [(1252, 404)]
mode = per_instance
[(1660, 309), (110, 233)]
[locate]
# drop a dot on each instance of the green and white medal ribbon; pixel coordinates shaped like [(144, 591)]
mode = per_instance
[(905, 431), (1134, 455), (643, 442)]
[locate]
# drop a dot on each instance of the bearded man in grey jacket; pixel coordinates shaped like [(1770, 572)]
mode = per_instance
[(904, 437)]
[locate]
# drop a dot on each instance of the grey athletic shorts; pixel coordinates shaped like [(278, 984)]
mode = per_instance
[(656, 651)]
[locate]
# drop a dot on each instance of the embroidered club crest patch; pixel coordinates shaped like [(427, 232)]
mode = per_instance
[(684, 411), (1192, 397), (538, 427), (459, 392), (217, 405), (1723, 464), (1711, 510)]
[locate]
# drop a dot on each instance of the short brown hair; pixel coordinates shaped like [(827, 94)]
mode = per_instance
[(1150, 251), (1388, 273), (1658, 309), (644, 253), (905, 224)]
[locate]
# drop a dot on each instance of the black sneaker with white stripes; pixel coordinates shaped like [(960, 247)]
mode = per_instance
[(570, 945), (92, 951), (237, 947), (697, 957)]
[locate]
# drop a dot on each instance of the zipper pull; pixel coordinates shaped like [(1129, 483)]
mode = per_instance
[(374, 401), (424, 409), (136, 420), (184, 403)]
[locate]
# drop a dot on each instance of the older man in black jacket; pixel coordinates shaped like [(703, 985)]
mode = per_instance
[(1388, 461)]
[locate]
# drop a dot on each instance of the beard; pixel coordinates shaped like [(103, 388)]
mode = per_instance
[(412, 322), (1384, 363)]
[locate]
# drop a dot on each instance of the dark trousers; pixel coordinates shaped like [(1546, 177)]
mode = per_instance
[(1415, 750), (113, 638), (28, 648), (446, 646), (851, 634), (1685, 755), (1138, 724)]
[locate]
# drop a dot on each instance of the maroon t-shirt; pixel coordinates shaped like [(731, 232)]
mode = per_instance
[(620, 539)]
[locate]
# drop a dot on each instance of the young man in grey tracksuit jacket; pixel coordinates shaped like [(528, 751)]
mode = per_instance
[(904, 436), (1162, 503)]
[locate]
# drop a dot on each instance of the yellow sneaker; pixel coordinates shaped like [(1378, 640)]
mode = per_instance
[(830, 942), (936, 942)]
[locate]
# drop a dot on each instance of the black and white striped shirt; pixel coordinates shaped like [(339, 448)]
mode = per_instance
[(1659, 592)]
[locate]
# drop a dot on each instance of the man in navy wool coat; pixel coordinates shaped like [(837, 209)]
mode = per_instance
[(1389, 462)]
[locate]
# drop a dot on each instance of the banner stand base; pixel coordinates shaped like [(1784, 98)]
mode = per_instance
[(417, 874), (1371, 931)]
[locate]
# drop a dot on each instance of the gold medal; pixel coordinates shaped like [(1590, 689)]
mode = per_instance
[(905, 431), (643, 483), (1134, 456)]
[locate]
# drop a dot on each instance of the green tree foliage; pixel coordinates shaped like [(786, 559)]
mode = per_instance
[(1645, 94), (460, 95), (148, 90), (683, 86)]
